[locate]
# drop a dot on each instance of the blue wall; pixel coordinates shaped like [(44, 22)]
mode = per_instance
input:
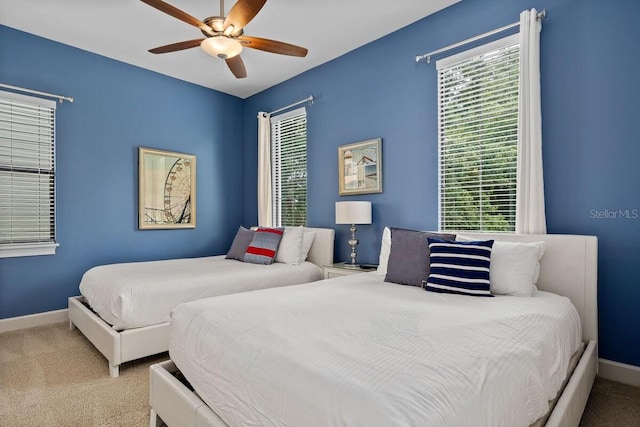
[(591, 97), (117, 109)]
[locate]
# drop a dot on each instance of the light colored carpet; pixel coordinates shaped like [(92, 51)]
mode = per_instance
[(51, 376), (612, 404)]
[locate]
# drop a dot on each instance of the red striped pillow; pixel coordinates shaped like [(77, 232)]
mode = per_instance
[(264, 246)]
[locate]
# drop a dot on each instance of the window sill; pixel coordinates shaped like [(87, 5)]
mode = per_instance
[(27, 249)]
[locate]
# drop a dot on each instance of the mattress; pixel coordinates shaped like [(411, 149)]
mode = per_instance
[(356, 350), (133, 295)]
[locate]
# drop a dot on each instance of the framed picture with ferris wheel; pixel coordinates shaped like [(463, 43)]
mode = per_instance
[(167, 189)]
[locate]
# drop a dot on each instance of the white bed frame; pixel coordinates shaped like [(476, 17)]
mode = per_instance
[(131, 344), (569, 268)]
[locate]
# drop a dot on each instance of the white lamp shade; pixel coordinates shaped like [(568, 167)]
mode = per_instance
[(353, 212), (221, 46)]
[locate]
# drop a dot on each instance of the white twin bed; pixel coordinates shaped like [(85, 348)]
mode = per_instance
[(357, 351), (124, 308)]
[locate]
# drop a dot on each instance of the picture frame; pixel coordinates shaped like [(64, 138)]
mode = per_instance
[(360, 167), (167, 189)]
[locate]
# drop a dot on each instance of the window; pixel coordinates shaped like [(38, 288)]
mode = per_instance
[(478, 133), (27, 175), (289, 168)]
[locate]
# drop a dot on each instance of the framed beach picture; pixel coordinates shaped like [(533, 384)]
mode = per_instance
[(167, 189), (360, 167)]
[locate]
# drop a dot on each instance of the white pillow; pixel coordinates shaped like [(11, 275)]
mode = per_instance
[(290, 247), (515, 266), (385, 250), (307, 241)]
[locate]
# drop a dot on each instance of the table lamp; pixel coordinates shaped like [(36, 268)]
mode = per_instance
[(353, 213)]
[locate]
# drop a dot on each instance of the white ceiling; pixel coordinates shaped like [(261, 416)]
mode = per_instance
[(126, 29)]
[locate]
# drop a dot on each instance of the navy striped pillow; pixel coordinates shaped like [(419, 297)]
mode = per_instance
[(459, 267)]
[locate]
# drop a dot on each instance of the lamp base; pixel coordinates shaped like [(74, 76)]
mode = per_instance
[(349, 265)]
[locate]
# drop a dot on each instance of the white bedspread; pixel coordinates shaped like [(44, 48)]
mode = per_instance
[(356, 351), (133, 295)]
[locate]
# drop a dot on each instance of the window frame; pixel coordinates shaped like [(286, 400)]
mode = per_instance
[(276, 187), (451, 61), (22, 249)]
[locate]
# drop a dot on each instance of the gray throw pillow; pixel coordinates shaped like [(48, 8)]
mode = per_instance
[(409, 256), (240, 244)]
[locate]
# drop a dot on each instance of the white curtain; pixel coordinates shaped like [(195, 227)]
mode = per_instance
[(530, 216), (265, 213)]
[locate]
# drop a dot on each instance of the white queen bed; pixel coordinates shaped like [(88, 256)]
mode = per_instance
[(359, 351), (124, 308)]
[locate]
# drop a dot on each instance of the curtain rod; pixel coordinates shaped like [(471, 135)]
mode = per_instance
[(427, 56), (36, 92), (302, 101)]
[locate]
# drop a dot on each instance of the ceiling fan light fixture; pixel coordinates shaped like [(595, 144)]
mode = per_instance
[(224, 36), (221, 46)]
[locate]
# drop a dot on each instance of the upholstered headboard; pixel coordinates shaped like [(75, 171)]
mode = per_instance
[(321, 252), (569, 267)]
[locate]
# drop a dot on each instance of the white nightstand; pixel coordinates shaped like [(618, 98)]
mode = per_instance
[(341, 269)]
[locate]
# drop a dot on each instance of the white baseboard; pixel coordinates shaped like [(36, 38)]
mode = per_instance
[(32, 320), (620, 372)]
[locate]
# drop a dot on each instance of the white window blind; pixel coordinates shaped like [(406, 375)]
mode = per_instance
[(478, 126), (289, 168), (27, 175)]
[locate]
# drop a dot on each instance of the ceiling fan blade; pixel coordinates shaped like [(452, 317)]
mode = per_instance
[(236, 65), (273, 46), (242, 12), (177, 46), (177, 13)]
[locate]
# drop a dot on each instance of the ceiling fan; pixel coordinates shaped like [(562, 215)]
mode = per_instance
[(224, 37)]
